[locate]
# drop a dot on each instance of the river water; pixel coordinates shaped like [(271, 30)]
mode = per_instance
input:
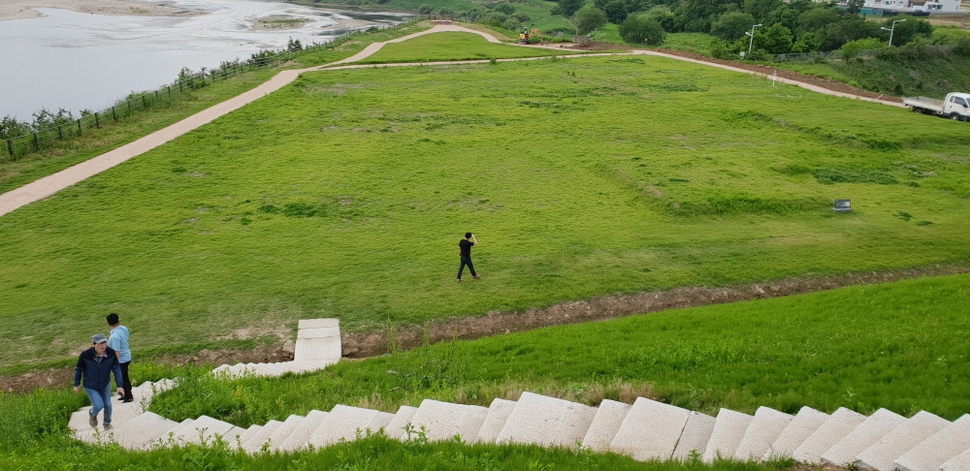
[(82, 61)]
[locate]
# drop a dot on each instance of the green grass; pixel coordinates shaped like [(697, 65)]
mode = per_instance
[(898, 346), (14, 174), (452, 47), (345, 194), (691, 42)]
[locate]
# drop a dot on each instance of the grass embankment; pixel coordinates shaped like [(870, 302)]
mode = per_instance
[(49, 160), (346, 193), (898, 346)]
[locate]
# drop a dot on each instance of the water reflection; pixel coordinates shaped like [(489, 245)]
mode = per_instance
[(80, 61)]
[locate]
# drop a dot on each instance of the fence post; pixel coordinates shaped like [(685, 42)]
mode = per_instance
[(113, 114), (36, 142), (10, 148), (144, 101), (129, 106), (97, 122), (60, 131), (79, 127), (180, 85)]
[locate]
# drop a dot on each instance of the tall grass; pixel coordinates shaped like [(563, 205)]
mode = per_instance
[(898, 346)]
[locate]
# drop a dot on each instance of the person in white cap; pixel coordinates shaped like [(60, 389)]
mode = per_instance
[(96, 365)]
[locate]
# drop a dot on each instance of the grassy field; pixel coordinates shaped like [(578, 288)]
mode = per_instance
[(345, 194), (93, 143), (452, 47), (898, 346)]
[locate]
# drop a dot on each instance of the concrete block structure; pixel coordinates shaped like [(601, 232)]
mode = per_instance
[(645, 430), (802, 426), (764, 429), (729, 429), (650, 430)]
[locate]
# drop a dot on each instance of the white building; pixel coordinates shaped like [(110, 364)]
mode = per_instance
[(908, 6)]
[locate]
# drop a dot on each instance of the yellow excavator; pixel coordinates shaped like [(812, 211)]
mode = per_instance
[(529, 36)]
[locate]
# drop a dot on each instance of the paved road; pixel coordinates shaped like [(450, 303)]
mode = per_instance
[(51, 184)]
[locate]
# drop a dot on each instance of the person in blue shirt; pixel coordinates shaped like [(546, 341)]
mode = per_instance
[(96, 365), (118, 341)]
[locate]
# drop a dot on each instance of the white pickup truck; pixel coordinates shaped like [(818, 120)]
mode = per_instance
[(955, 106)]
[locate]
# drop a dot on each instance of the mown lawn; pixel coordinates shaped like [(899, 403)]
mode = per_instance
[(344, 195), (453, 47)]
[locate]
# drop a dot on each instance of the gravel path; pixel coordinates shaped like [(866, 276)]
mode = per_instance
[(51, 184)]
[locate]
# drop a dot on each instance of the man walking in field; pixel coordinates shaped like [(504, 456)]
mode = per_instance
[(118, 341), (465, 252), (96, 365)]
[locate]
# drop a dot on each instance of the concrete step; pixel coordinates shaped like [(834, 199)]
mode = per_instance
[(317, 323), (298, 439), (247, 434), (697, 432), (882, 455), (805, 423), (318, 349), (498, 413), (939, 448), (443, 421), (318, 340), (347, 423), (231, 437), (259, 441), (269, 369), (148, 430), (546, 421), (284, 431), (870, 431), (650, 430), (607, 421), (764, 429), (842, 422), (729, 428), (396, 428), (959, 462)]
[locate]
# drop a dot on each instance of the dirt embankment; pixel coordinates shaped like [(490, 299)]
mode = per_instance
[(367, 344)]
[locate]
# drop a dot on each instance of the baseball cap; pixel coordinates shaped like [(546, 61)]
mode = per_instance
[(99, 338)]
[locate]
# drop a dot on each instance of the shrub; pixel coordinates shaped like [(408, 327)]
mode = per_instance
[(732, 26), (852, 49), (640, 29), (511, 24), (589, 19), (425, 9), (506, 8), (962, 49), (496, 19)]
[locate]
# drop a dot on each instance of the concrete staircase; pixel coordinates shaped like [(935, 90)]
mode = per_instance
[(645, 430)]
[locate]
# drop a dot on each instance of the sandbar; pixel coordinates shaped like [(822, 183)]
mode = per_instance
[(20, 9)]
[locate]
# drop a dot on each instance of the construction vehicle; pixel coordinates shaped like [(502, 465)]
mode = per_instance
[(530, 36)]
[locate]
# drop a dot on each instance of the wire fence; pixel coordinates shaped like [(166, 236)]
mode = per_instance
[(64, 128), (813, 56)]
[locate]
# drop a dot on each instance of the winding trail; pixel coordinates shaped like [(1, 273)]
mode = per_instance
[(47, 186)]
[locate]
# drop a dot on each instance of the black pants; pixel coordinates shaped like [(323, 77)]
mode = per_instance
[(127, 380), (466, 261)]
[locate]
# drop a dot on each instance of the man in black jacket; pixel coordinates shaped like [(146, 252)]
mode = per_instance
[(96, 365)]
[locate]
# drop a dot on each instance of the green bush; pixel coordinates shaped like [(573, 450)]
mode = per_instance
[(852, 49), (589, 19), (641, 29)]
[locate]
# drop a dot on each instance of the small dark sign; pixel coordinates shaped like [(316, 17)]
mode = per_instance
[(842, 206)]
